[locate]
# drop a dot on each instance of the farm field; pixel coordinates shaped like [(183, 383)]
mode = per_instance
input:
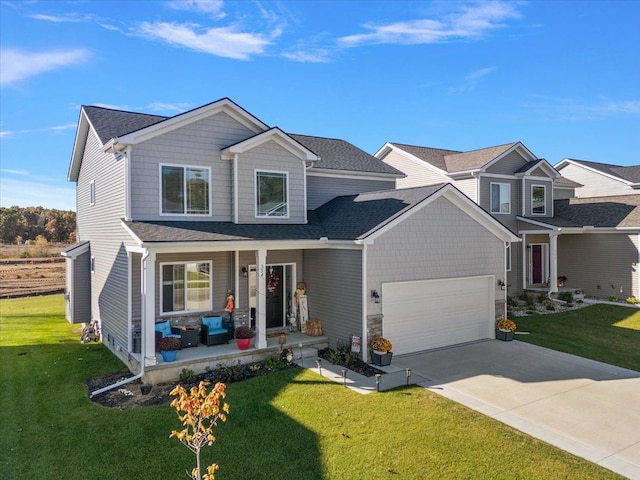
[(21, 277)]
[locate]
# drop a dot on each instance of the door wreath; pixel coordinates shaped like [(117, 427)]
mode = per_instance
[(272, 282)]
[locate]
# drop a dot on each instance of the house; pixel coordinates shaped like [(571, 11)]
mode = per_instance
[(600, 179), (593, 242), (174, 211)]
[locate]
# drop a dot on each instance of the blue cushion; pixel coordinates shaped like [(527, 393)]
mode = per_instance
[(217, 331), (164, 328), (214, 323)]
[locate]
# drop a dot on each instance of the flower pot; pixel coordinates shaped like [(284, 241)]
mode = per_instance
[(243, 343), (504, 335), (169, 355), (382, 359)]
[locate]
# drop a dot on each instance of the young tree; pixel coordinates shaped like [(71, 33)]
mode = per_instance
[(199, 412)]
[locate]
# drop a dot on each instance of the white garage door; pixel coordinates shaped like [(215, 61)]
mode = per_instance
[(429, 314)]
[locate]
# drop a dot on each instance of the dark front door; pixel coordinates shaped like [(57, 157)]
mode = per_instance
[(275, 300), (536, 264)]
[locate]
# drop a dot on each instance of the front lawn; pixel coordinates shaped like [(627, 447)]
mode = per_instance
[(607, 333), (292, 424)]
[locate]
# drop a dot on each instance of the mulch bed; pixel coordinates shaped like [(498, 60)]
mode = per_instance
[(354, 364)]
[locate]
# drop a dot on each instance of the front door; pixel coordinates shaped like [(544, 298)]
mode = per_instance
[(275, 298), (538, 262)]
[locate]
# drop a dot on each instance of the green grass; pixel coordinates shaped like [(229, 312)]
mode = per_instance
[(293, 424), (607, 333)]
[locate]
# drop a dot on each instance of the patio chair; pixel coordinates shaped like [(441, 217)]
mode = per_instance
[(215, 331), (164, 329)]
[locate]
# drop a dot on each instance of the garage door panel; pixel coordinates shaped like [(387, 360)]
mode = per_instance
[(427, 314)]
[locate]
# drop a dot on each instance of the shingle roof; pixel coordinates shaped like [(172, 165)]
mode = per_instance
[(565, 182), (630, 174), (452, 161), (110, 123), (336, 154), (603, 212), (344, 218)]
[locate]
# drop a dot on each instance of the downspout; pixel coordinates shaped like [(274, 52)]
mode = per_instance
[(142, 350)]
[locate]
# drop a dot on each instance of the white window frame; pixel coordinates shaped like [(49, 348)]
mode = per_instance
[(256, 172), (184, 186), (544, 206), (92, 264), (162, 281), (500, 184), (92, 192)]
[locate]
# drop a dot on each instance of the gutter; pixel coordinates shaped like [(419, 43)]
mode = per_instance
[(142, 357)]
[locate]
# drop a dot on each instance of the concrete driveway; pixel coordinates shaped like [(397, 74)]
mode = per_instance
[(588, 408)]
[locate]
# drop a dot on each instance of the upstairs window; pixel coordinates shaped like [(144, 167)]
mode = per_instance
[(184, 190), (538, 200), (500, 198), (186, 287), (272, 194)]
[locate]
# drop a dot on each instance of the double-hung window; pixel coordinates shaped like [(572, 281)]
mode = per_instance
[(272, 194), (538, 199), (184, 190), (186, 287), (500, 198)]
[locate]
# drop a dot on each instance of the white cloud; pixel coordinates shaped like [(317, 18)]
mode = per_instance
[(223, 42), (44, 192), (212, 8), (56, 129), (570, 109), (171, 107), (16, 65), (471, 80), (468, 22), (72, 18), (320, 55)]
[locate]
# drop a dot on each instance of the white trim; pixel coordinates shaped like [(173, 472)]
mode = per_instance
[(92, 264), (352, 174), (162, 313), (544, 187), (364, 299), (569, 161), (508, 259), (545, 262), (235, 189), (513, 148), (276, 135), (184, 186), (256, 171), (491, 198), (129, 304), (127, 183), (388, 147)]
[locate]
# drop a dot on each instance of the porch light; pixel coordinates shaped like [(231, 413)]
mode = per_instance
[(375, 295), (378, 376), (407, 372), (244, 272)]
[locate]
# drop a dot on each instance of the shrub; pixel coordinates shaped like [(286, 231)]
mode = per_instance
[(566, 297), (187, 377), (541, 297), (613, 298), (632, 300), (342, 355)]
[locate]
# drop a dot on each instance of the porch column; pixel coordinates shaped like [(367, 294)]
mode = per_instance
[(261, 299), (525, 261), (148, 290), (553, 261)]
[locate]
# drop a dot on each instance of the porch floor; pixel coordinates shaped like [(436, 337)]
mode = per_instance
[(202, 357)]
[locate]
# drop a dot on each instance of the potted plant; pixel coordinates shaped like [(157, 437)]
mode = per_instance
[(169, 347), (381, 351), (561, 280), (505, 329), (244, 334)]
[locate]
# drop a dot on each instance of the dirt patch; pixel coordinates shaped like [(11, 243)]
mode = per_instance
[(33, 276), (130, 395)]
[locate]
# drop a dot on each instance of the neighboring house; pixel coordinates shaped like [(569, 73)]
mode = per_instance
[(593, 242), (600, 179), (173, 211)]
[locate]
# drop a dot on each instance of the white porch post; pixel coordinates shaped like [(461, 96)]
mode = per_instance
[(148, 280), (525, 261), (236, 277), (553, 260), (261, 297)]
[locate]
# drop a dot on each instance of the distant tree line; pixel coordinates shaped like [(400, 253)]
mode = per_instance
[(19, 225)]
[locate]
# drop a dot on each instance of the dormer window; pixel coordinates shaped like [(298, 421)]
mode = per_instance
[(272, 194), (500, 198), (538, 200), (184, 190)]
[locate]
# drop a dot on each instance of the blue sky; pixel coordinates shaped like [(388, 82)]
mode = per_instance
[(562, 77)]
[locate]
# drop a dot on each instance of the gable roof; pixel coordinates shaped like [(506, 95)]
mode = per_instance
[(109, 123), (347, 218), (336, 154), (621, 211), (273, 134), (629, 174), (454, 161)]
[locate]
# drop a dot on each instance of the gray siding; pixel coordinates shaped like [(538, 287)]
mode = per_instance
[(100, 224), (563, 193), (601, 264), (270, 157), (508, 164), (416, 171), (514, 277), (79, 289), (516, 199), (196, 144), (440, 241), (322, 189), (136, 280), (334, 290), (594, 184)]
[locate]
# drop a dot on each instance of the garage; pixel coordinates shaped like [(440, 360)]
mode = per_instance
[(426, 314)]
